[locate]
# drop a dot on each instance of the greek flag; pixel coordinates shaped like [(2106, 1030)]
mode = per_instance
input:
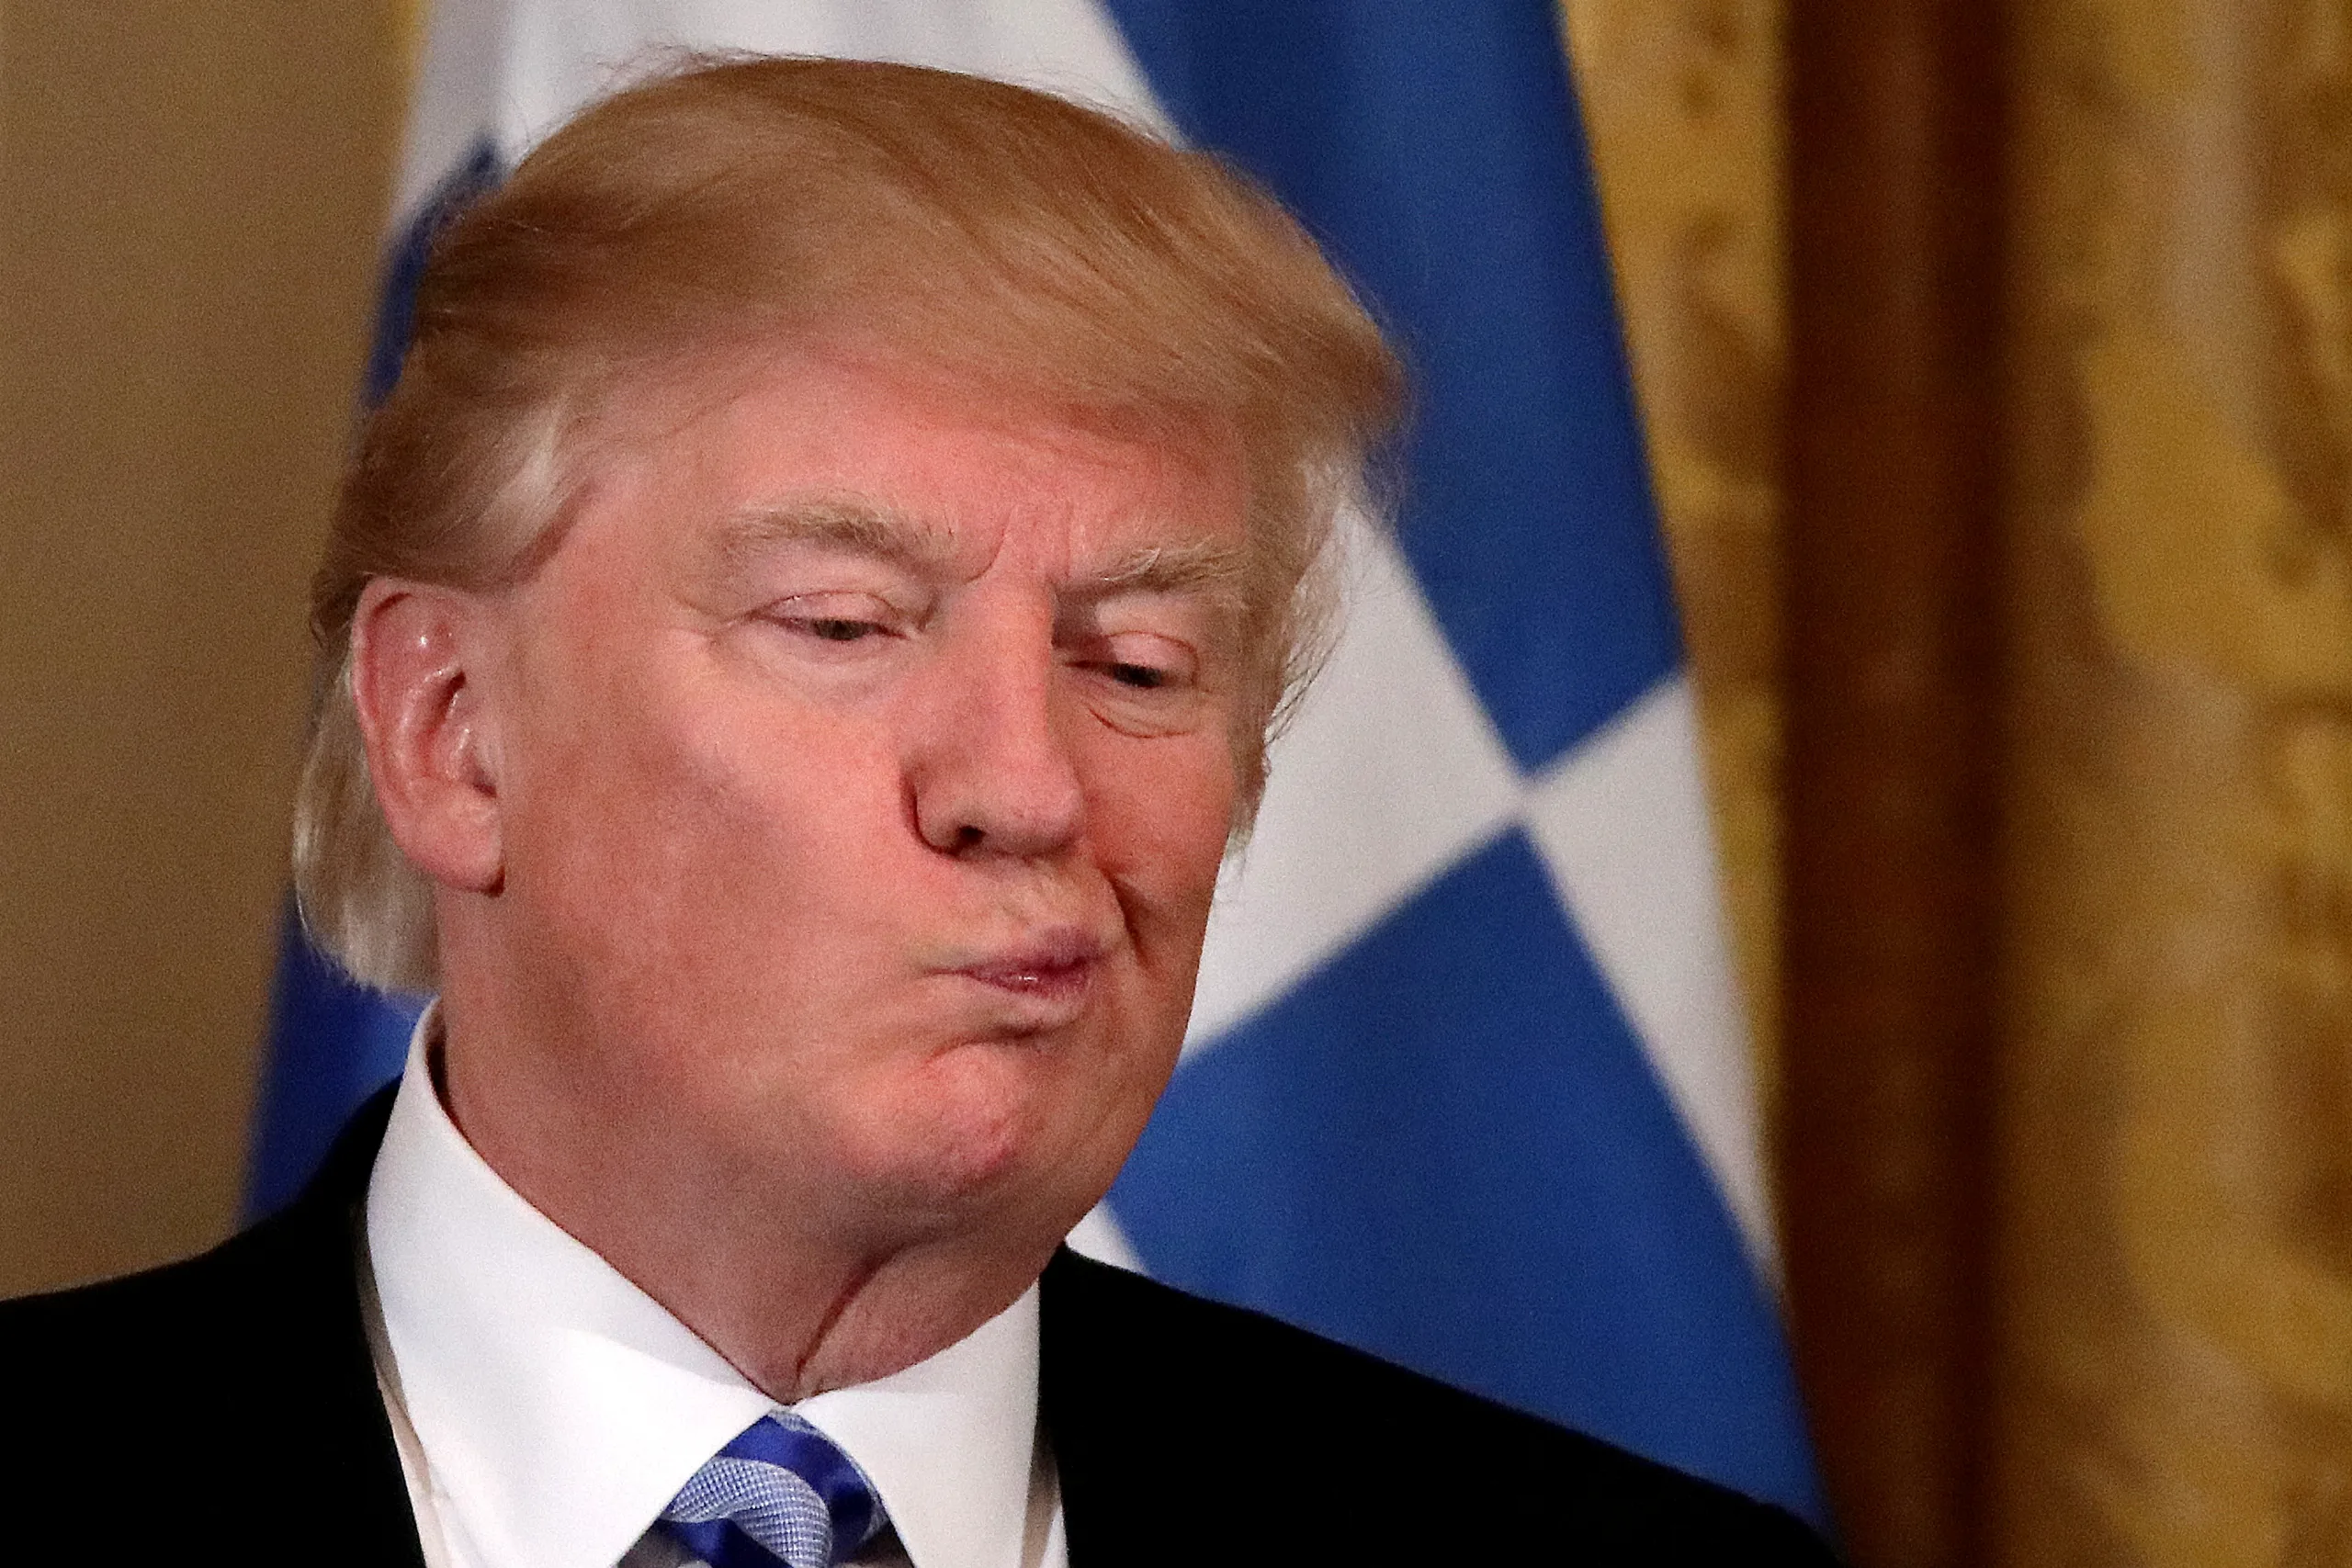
[(1466, 1083)]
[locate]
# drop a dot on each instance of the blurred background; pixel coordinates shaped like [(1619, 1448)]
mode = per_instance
[(1998, 372)]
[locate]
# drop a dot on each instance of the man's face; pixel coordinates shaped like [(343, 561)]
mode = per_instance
[(863, 764)]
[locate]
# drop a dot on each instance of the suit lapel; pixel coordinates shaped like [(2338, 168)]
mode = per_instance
[(1124, 1425)]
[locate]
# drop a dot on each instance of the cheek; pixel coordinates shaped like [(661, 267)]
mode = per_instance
[(1159, 811), (659, 804)]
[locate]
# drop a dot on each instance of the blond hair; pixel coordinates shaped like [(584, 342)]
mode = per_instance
[(997, 237)]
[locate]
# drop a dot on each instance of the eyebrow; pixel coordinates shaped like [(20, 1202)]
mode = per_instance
[(860, 528), (1205, 567)]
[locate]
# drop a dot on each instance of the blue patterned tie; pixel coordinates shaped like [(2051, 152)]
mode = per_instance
[(780, 1493)]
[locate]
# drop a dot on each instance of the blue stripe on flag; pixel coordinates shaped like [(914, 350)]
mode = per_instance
[(1446, 1147), (1436, 149), (331, 1045)]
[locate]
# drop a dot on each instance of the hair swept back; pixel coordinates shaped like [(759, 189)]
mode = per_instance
[(997, 237)]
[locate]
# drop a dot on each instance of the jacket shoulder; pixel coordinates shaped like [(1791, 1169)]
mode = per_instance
[(250, 1360), (168, 1330), (1352, 1440), (281, 1294)]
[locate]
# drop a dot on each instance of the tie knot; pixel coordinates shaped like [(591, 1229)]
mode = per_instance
[(782, 1492)]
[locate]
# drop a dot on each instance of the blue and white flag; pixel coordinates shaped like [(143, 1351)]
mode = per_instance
[(1466, 1083)]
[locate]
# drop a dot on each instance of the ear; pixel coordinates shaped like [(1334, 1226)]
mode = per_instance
[(417, 653)]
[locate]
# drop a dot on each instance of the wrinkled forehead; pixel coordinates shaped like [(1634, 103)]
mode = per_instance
[(1174, 554), (752, 448)]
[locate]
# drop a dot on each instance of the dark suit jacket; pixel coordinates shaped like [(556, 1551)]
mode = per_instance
[(225, 1408)]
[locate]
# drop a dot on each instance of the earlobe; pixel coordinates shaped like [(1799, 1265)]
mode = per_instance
[(416, 679)]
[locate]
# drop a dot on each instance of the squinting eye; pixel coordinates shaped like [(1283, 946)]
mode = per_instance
[(835, 629), (1143, 677)]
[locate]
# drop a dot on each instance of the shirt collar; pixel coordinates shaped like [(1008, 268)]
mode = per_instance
[(559, 1407)]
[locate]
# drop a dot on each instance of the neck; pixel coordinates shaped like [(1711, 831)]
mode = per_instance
[(779, 1278)]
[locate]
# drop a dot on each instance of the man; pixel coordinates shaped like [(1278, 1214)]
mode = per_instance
[(807, 623)]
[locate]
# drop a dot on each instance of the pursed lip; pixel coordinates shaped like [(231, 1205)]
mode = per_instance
[(1046, 974)]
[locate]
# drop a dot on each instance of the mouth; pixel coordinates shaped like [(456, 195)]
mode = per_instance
[(1045, 978)]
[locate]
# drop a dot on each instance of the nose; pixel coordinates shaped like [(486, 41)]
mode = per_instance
[(989, 764)]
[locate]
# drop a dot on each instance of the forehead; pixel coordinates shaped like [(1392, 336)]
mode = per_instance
[(964, 472)]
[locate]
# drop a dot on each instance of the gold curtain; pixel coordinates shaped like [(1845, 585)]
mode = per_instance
[(2174, 1292), (2176, 1223)]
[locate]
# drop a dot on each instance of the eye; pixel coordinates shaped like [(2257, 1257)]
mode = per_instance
[(1139, 663), (834, 628), (836, 618), (1141, 677)]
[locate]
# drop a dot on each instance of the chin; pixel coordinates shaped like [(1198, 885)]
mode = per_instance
[(962, 1124), (990, 1128)]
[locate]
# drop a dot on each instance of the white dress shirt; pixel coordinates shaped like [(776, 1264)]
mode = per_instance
[(547, 1409)]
